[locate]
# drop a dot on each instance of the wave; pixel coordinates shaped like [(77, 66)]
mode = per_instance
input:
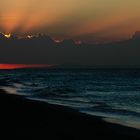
[(100, 92)]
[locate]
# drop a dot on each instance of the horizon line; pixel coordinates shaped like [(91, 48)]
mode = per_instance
[(21, 66)]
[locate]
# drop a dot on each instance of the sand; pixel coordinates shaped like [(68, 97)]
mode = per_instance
[(24, 118)]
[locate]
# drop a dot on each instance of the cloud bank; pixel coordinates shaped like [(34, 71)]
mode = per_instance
[(44, 50)]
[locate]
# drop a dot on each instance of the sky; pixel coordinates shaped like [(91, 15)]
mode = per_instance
[(86, 20)]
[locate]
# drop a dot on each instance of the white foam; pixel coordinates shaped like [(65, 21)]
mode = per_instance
[(124, 123)]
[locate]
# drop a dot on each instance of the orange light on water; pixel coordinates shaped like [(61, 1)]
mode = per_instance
[(20, 66)]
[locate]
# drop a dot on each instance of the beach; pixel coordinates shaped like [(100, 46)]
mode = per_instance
[(21, 117)]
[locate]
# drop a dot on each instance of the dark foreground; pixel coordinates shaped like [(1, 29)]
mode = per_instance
[(22, 118)]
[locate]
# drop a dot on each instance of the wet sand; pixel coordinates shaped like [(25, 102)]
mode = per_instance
[(24, 118)]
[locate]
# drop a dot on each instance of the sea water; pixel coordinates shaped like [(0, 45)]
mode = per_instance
[(110, 93)]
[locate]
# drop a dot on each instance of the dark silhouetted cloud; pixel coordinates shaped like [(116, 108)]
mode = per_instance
[(44, 50)]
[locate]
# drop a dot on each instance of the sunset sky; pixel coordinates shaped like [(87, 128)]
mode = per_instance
[(87, 20)]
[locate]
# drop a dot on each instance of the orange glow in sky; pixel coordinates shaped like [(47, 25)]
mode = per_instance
[(20, 66), (7, 35), (75, 19)]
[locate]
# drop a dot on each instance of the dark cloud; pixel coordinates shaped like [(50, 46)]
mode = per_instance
[(43, 50)]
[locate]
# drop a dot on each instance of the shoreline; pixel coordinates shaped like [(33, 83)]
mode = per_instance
[(123, 123), (39, 119), (107, 119)]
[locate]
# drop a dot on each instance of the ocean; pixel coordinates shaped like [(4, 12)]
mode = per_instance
[(110, 93)]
